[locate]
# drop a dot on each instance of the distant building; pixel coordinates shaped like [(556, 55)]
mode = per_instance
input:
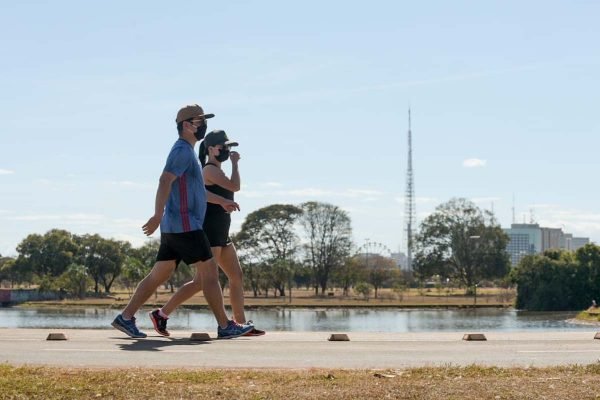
[(401, 260), (525, 239), (578, 242), (551, 238), (566, 241), (528, 239)]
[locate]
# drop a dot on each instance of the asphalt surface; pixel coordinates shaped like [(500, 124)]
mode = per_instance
[(111, 348)]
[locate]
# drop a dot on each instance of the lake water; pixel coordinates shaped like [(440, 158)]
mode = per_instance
[(317, 320)]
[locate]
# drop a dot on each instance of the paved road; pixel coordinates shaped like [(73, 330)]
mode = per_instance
[(110, 348)]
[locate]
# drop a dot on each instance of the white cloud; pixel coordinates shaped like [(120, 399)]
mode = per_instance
[(6, 172), (364, 192), (49, 184), (251, 194), (474, 163), (78, 218), (242, 98), (35, 218), (135, 240), (485, 200), (314, 193), (131, 184), (424, 200), (128, 223), (271, 184), (578, 222), (43, 181)]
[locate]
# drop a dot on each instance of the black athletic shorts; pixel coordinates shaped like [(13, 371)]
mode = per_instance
[(216, 227), (191, 247)]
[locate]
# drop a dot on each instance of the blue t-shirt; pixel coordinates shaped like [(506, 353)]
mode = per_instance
[(187, 202)]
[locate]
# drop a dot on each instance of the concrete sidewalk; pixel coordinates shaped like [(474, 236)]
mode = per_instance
[(111, 348)]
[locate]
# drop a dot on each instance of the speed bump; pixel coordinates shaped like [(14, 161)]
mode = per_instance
[(338, 337), (200, 337), (474, 336), (56, 336)]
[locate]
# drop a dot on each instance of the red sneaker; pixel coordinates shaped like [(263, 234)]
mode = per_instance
[(160, 323), (254, 331)]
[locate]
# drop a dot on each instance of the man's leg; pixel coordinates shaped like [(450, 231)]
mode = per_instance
[(184, 293), (208, 271), (230, 264), (125, 322), (161, 271)]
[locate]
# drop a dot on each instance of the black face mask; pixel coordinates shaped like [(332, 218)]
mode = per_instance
[(200, 131), (223, 155)]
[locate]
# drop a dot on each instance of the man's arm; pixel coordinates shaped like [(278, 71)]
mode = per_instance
[(162, 195)]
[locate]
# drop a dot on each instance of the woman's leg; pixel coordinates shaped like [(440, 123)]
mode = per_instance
[(228, 261), (185, 292)]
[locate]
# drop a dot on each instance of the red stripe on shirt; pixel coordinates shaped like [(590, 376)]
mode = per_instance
[(183, 204)]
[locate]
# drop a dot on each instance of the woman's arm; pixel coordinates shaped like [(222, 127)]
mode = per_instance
[(215, 175)]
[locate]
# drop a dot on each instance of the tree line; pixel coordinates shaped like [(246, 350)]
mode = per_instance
[(281, 246), (558, 280), (461, 242), (285, 246)]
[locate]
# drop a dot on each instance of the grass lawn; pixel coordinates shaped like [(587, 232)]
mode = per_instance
[(574, 382)]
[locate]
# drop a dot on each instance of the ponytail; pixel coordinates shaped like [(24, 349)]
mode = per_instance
[(202, 153)]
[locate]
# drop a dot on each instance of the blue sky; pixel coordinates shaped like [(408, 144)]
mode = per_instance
[(504, 98)]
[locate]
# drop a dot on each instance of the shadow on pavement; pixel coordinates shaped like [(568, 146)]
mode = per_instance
[(157, 344)]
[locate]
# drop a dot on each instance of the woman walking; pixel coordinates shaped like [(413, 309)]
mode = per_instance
[(214, 150)]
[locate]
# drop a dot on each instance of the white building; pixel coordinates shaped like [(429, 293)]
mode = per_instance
[(525, 239), (528, 239), (401, 260), (578, 242)]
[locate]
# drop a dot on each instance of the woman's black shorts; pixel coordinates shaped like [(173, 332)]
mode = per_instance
[(216, 227)]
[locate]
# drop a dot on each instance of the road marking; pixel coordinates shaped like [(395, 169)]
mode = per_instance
[(119, 350), (559, 351), (87, 350), (182, 351)]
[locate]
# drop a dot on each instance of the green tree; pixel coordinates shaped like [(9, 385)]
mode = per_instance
[(364, 289), (103, 259), (146, 254), (46, 255), (462, 242), (75, 280), (7, 270), (352, 271), (132, 273), (547, 282), (328, 232), (380, 271), (267, 239), (184, 273), (588, 257)]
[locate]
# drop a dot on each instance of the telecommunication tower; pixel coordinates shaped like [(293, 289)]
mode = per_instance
[(410, 209)]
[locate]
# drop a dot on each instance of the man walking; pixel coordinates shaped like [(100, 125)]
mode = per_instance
[(180, 206)]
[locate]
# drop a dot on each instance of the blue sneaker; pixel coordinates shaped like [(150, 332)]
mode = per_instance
[(233, 330), (128, 327)]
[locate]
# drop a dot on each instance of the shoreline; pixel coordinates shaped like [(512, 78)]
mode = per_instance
[(439, 306)]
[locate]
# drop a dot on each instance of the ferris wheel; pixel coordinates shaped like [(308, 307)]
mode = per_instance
[(374, 248)]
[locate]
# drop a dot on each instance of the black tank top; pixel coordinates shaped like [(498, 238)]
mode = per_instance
[(216, 209)]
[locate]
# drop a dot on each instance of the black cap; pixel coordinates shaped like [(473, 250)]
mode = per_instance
[(216, 137)]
